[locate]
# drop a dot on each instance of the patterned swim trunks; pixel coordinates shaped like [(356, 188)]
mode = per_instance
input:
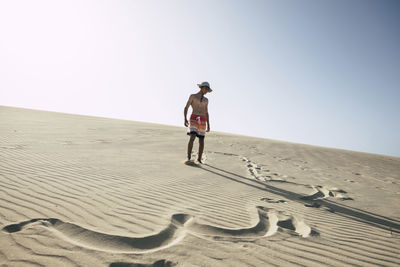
[(197, 125)]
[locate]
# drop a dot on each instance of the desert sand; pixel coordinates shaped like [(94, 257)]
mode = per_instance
[(88, 191)]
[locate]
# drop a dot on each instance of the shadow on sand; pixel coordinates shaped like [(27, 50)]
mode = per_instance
[(369, 218)]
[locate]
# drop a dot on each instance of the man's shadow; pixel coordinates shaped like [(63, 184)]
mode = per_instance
[(356, 214)]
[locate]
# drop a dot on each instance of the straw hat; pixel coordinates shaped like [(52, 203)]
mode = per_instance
[(206, 84)]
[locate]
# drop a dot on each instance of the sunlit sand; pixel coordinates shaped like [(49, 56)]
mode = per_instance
[(87, 191)]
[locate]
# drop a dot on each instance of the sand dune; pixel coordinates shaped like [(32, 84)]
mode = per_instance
[(88, 191)]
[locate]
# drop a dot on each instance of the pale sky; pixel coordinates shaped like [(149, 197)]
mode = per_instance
[(320, 72)]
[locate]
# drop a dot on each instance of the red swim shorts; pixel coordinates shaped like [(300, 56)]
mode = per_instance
[(198, 124)]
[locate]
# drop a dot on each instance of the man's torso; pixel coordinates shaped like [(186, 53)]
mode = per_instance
[(199, 104)]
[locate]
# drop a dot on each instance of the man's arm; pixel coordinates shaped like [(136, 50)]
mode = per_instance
[(189, 102), (208, 120)]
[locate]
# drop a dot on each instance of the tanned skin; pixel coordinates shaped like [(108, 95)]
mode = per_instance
[(199, 104)]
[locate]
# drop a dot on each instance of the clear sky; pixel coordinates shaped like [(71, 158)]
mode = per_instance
[(321, 72)]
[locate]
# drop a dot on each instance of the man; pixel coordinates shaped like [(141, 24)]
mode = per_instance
[(199, 120)]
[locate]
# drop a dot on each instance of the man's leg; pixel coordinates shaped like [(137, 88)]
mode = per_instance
[(201, 148), (190, 146)]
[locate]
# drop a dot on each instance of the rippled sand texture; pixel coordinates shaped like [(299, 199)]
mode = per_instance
[(87, 191)]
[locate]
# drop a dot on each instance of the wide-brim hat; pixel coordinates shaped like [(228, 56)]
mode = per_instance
[(205, 84)]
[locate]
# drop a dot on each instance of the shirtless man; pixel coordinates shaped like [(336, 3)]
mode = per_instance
[(199, 119)]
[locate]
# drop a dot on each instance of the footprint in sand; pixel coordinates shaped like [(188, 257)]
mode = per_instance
[(321, 192), (269, 200), (270, 221), (258, 173)]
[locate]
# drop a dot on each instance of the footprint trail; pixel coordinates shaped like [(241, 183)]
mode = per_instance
[(180, 225)]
